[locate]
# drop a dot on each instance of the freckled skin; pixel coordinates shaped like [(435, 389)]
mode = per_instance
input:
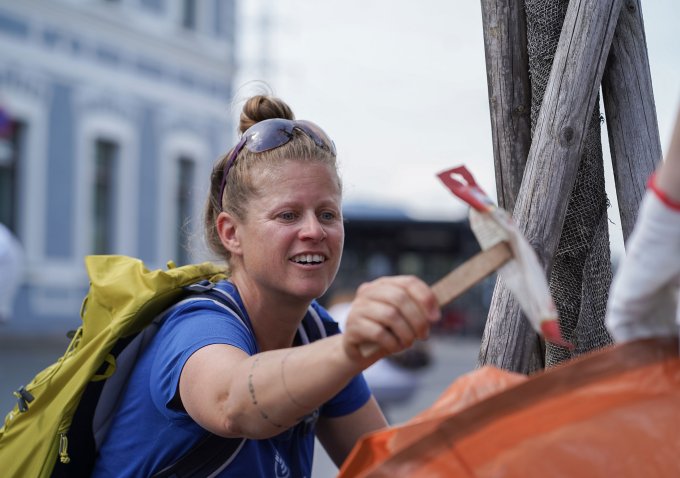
[(301, 213)]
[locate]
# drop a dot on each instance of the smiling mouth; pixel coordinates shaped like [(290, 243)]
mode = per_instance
[(308, 259)]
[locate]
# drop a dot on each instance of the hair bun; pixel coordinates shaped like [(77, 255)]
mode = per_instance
[(261, 107)]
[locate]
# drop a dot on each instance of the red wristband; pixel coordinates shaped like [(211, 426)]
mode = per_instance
[(671, 203)]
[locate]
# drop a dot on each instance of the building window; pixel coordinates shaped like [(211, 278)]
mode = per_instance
[(106, 159), (11, 142), (186, 171), (189, 14)]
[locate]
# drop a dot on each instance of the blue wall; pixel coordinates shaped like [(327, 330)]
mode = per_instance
[(60, 174)]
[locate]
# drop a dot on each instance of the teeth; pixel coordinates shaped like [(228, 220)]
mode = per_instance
[(308, 258)]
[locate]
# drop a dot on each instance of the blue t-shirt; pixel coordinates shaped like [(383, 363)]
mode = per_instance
[(149, 434)]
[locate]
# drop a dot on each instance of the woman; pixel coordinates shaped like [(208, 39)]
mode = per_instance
[(274, 213)]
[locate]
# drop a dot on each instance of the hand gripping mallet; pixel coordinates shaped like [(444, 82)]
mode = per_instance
[(503, 247)]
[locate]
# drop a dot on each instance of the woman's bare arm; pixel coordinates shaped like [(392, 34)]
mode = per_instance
[(339, 435), (232, 394)]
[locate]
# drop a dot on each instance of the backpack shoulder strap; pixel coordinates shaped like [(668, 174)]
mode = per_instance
[(212, 453), (113, 387), (314, 327), (208, 457)]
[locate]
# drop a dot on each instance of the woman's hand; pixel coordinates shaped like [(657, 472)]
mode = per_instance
[(388, 315)]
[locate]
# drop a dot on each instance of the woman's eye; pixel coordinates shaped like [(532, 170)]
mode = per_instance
[(287, 216), (328, 216)]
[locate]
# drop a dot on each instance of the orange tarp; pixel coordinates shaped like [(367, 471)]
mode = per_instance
[(615, 412)]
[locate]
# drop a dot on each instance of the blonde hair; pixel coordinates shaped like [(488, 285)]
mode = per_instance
[(239, 187)]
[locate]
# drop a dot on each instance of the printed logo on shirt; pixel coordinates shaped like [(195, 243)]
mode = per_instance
[(281, 469)]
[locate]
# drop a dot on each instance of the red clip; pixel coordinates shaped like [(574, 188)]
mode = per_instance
[(468, 191), (551, 332)]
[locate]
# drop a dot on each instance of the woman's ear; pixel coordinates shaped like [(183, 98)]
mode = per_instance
[(227, 226)]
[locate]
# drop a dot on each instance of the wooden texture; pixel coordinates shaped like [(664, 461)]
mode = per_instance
[(631, 114), (469, 273), (551, 167), (462, 278), (507, 71)]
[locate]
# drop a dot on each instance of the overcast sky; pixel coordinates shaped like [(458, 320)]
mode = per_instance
[(401, 88)]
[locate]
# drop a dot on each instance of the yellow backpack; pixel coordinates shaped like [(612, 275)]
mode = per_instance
[(52, 429)]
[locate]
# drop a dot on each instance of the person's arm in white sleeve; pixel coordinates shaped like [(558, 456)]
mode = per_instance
[(644, 293)]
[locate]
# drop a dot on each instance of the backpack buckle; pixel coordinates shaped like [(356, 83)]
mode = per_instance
[(202, 286), (24, 397)]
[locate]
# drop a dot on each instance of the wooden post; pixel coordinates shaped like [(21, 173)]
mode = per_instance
[(507, 69), (631, 114), (550, 172)]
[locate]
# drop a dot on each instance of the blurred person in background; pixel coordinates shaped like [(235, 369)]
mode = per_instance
[(11, 271)]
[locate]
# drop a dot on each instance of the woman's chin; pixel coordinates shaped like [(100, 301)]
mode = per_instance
[(310, 292)]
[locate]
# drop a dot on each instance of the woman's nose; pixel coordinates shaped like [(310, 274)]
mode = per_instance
[(312, 228)]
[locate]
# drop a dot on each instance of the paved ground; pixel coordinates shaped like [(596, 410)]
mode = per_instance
[(454, 356), (21, 358)]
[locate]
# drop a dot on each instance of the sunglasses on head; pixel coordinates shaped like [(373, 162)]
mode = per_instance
[(271, 134)]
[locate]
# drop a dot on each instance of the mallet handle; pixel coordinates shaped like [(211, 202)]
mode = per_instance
[(462, 278)]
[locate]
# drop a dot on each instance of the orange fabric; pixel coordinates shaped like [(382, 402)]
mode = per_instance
[(615, 412)]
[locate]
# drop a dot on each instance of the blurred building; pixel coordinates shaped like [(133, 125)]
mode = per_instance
[(111, 115), (386, 241)]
